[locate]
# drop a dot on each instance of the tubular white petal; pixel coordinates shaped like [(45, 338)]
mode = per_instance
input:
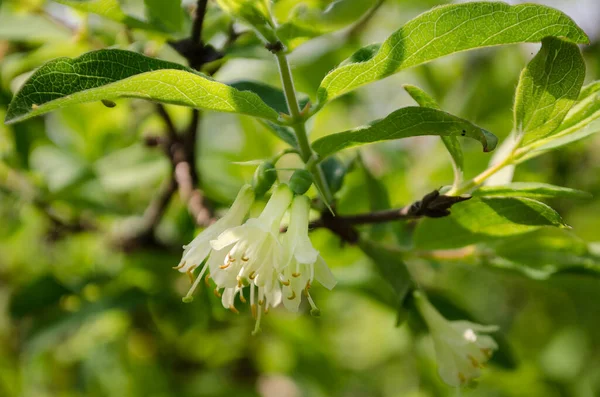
[(323, 274)]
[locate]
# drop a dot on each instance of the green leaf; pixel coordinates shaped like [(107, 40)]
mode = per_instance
[(109, 9), (308, 22), (270, 95), (531, 190), (404, 123), (548, 89), (256, 13), (451, 142), (31, 29), (448, 29), (165, 14), (546, 252), (391, 267), (111, 74), (484, 219)]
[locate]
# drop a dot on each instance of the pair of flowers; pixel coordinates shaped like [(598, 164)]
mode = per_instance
[(277, 268)]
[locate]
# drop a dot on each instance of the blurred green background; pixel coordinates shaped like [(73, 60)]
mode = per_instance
[(83, 312)]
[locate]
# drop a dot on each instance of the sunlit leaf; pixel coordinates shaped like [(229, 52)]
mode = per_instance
[(111, 74), (548, 88), (448, 29), (531, 190), (404, 123), (109, 9)]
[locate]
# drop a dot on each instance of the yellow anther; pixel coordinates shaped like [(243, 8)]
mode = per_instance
[(253, 310), (292, 296), (230, 259), (462, 378), (206, 280), (245, 258), (242, 299), (225, 266), (286, 282), (190, 275), (295, 274), (217, 293), (260, 302), (487, 352), (252, 275), (233, 309), (474, 362), (182, 264)]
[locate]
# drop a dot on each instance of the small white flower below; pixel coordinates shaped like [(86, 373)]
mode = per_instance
[(461, 349)]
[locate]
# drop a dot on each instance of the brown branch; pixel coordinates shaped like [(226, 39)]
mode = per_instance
[(432, 205)]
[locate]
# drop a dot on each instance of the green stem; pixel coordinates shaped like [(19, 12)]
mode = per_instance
[(299, 127), (467, 186)]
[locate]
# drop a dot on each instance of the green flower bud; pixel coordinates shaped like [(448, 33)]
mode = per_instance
[(264, 177), (300, 181)]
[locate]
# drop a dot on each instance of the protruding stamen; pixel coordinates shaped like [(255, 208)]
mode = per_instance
[(225, 266), (286, 283), (242, 299), (230, 259), (217, 293), (206, 280), (261, 302), (188, 296), (462, 378), (292, 296), (182, 264), (245, 258), (295, 274), (239, 282), (191, 275), (252, 275), (233, 309), (314, 310), (253, 310)]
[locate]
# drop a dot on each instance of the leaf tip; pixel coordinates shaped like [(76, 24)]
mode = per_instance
[(490, 141)]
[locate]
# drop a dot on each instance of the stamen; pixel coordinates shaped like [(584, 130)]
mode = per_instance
[(292, 296), (225, 266), (261, 302), (253, 310), (245, 258), (233, 309), (230, 259), (314, 310), (295, 274), (286, 283), (217, 293), (257, 325), (252, 275), (191, 275), (474, 362), (206, 280), (487, 352), (462, 378), (239, 280), (188, 297), (182, 264), (242, 299)]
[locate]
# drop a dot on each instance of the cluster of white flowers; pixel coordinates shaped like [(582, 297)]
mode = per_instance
[(276, 267), (460, 348)]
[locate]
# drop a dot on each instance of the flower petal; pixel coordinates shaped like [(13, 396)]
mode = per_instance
[(323, 274)]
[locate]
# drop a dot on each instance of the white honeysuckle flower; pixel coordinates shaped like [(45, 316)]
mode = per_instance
[(302, 263), (198, 250), (252, 253), (460, 348)]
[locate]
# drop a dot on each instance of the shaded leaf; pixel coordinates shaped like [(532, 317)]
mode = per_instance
[(272, 96), (404, 123), (451, 142), (448, 29), (109, 9), (483, 219), (111, 74)]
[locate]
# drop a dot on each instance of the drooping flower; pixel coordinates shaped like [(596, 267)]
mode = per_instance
[(252, 253), (460, 348), (302, 263), (196, 252)]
